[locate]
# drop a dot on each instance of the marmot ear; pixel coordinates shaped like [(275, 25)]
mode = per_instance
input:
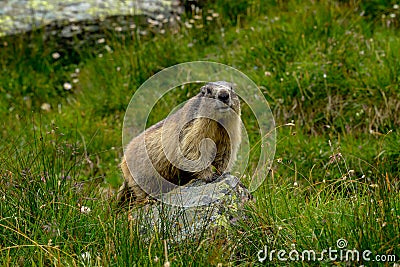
[(206, 90), (203, 90)]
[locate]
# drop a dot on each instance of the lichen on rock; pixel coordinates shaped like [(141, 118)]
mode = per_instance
[(218, 205)]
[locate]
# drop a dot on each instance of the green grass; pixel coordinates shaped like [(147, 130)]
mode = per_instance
[(333, 73)]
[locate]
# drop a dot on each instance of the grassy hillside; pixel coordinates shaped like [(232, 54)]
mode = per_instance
[(331, 68)]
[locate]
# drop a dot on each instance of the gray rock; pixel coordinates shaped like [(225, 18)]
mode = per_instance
[(22, 15), (199, 207)]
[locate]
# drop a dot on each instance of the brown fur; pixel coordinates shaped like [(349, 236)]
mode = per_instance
[(163, 141)]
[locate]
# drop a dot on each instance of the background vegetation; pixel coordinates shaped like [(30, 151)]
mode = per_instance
[(329, 67)]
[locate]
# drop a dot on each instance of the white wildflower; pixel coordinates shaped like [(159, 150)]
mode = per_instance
[(108, 48), (188, 25), (85, 255), (160, 17), (152, 22), (85, 209), (67, 86), (45, 107), (56, 55)]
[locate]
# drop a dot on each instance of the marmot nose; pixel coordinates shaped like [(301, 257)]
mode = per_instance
[(224, 96)]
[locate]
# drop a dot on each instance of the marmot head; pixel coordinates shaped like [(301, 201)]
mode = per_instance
[(224, 93)]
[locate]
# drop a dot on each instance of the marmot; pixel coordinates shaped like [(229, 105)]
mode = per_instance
[(177, 148)]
